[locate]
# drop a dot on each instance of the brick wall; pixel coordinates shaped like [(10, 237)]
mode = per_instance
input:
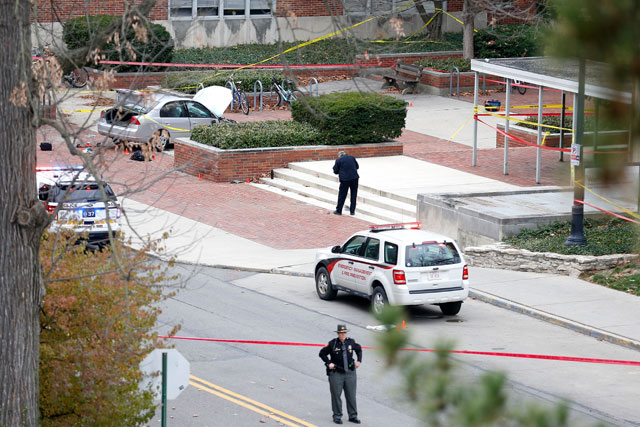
[(388, 60), (62, 10), (227, 165), (294, 8), (530, 136)]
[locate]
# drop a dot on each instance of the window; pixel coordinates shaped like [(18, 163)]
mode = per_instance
[(173, 109), (390, 253), (198, 110), (372, 250), (354, 245), (429, 254), (193, 9)]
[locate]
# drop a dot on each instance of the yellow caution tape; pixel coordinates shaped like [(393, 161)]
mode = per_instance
[(608, 201), (165, 126), (526, 121), (545, 137), (460, 128), (453, 17), (85, 111)]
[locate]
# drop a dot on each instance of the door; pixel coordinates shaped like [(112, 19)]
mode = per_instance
[(199, 114), (342, 273), (174, 117), (365, 265)]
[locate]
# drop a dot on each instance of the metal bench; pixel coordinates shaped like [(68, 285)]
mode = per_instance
[(407, 74)]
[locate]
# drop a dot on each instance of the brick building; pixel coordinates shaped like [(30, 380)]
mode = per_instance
[(196, 23)]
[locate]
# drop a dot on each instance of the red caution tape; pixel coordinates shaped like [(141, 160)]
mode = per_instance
[(168, 64), (606, 211), (478, 353), (522, 141)]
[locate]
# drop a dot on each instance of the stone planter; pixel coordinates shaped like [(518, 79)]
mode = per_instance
[(508, 258), (219, 165)]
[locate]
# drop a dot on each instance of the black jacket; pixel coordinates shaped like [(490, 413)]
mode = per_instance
[(332, 353), (346, 167)]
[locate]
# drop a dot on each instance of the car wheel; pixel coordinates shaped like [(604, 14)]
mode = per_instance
[(160, 139), (378, 300), (323, 285), (451, 308)]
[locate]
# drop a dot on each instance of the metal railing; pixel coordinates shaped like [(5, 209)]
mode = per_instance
[(451, 81)]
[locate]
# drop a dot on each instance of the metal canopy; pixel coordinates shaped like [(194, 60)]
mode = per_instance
[(554, 74)]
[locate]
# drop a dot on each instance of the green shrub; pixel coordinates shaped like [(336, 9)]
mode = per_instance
[(446, 64), (158, 48), (507, 41), (352, 117), (189, 81), (604, 237), (329, 51), (270, 133)]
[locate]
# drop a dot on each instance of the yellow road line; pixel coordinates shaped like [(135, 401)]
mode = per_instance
[(248, 403)]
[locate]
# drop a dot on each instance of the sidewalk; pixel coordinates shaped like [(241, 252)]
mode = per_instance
[(241, 226)]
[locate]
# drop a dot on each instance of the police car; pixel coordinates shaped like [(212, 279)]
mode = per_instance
[(77, 203), (397, 264)]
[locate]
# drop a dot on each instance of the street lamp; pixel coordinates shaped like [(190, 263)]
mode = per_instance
[(577, 162)]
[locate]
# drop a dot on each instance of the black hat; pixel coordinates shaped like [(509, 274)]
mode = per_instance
[(342, 328)]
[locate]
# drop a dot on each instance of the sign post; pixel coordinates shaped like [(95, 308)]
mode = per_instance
[(174, 378)]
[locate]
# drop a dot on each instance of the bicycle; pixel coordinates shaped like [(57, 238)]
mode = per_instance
[(521, 89), (285, 95), (77, 78), (238, 95)]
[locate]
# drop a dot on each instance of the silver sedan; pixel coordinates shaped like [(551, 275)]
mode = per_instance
[(160, 118)]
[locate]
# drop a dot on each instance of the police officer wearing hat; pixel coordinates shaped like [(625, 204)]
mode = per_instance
[(338, 357)]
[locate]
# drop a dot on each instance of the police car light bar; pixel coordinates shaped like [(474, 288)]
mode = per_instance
[(406, 225), (58, 168)]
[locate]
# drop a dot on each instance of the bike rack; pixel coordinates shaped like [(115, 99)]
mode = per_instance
[(228, 86), (451, 81), (311, 82), (255, 94)]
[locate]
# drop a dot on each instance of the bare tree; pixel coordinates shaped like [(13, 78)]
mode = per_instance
[(22, 217)]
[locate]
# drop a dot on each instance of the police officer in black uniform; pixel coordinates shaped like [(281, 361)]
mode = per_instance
[(346, 167), (338, 357)]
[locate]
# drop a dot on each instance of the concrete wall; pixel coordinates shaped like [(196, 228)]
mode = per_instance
[(453, 216)]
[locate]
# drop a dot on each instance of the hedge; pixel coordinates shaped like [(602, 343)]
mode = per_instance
[(189, 81), (352, 117), (507, 41), (158, 48), (447, 64), (270, 133)]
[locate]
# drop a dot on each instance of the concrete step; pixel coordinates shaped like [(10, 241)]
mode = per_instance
[(365, 195), (330, 207), (327, 196), (329, 176)]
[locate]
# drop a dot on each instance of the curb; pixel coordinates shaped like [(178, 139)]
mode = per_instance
[(591, 331)]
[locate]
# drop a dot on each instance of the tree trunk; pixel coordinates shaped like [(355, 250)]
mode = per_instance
[(434, 30), (468, 16), (22, 218)]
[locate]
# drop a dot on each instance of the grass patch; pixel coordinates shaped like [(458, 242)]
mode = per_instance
[(604, 237), (624, 278)]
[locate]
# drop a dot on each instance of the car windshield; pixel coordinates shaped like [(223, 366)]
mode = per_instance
[(427, 254), (88, 192)]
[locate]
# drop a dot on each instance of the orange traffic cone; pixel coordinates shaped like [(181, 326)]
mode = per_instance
[(410, 104), (248, 180), (126, 151), (199, 176), (404, 324), (154, 157)]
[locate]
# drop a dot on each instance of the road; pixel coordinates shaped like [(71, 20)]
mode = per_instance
[(238, 384)]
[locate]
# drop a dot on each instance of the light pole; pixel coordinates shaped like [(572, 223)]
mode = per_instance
[(577, 210)]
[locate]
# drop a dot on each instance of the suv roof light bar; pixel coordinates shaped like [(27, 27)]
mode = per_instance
[(399, 226)]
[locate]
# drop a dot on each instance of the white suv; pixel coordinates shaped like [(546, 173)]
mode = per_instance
[(399, 264), (77, 203)]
